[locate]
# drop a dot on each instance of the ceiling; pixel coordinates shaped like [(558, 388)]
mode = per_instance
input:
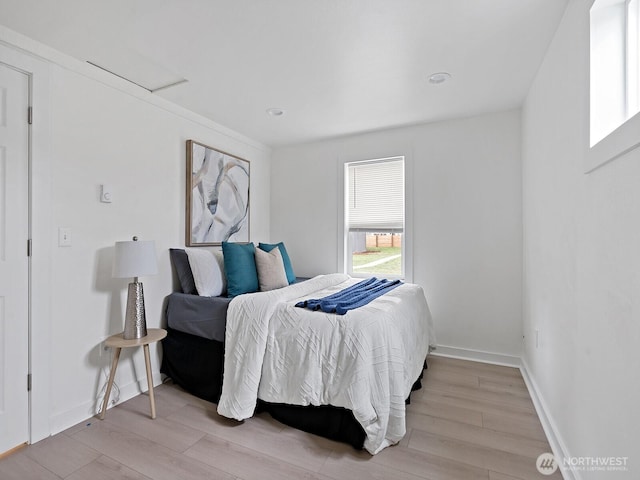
[(335, 67)]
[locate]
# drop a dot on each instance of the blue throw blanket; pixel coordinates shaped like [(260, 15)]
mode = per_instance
[(351, 297)]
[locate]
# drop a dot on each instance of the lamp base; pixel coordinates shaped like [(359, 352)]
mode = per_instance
[(135, 321)]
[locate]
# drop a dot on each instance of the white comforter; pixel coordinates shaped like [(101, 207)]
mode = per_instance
[(366, 360)]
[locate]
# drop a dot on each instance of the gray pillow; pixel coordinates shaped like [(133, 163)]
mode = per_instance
[(271, 272), (183, 270)]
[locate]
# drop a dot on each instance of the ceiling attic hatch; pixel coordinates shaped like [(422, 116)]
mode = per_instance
[(138, 69)]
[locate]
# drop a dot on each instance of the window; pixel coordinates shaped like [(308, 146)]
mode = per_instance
[(374, 218), (633, 57), (615, 66)]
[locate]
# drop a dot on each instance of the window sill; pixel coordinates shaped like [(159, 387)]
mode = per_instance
[(621, 141)]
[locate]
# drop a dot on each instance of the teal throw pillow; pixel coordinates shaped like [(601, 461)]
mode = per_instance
[(240, 268)]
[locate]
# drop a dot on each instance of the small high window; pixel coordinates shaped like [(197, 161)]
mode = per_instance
[(615, 65)]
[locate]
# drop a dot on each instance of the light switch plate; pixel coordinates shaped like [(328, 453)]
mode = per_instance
[(64, 237)]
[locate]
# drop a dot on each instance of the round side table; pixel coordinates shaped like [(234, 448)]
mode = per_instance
[(118, 342)]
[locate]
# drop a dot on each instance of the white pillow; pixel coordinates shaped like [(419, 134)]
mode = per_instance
[(270, 267), (220, 259), (208, 272)]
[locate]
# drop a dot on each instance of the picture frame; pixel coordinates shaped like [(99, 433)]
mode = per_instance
[(217, 196)]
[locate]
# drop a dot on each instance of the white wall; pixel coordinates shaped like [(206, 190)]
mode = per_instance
[(467, 219), (108, 132), (582, 258)]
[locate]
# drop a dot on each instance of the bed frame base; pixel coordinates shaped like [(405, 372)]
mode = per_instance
[(196, 364)]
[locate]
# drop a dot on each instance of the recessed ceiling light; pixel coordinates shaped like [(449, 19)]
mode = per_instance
[(275, 112), (438, 78)]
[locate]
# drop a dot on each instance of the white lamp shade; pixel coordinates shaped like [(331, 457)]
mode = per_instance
[(135, 259)]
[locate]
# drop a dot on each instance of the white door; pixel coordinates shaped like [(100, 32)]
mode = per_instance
[(14, 263)]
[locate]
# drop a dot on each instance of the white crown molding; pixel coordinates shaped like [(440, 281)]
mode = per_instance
[(32, 47)]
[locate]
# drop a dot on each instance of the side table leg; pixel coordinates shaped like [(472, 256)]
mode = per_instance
[(112, 375), (147, 362)]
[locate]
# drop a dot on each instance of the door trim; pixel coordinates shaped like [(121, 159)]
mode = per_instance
[(40, 228)]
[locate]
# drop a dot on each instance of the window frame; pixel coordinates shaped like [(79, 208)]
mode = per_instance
[(625, 137), (344, 258)]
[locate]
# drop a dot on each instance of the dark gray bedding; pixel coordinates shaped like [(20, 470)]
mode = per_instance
[(204, 317)]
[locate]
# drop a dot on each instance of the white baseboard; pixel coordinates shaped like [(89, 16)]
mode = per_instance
[(476, 356), (558, 447), (88, 410)]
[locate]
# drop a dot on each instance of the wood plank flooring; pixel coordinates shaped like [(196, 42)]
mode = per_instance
[(470, 421)]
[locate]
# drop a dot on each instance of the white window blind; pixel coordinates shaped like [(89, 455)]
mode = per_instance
[(376, 196)]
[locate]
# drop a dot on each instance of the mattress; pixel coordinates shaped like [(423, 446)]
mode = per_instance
[(204, 317), (366, 361)]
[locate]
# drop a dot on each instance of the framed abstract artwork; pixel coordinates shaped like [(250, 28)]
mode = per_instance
[(217, 196)]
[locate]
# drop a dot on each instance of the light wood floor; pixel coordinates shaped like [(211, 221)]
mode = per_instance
[(470, 421)]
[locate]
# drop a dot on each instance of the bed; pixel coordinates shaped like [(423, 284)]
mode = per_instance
[(343, 377)]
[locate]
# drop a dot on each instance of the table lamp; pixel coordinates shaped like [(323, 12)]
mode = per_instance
[(135, 259)]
